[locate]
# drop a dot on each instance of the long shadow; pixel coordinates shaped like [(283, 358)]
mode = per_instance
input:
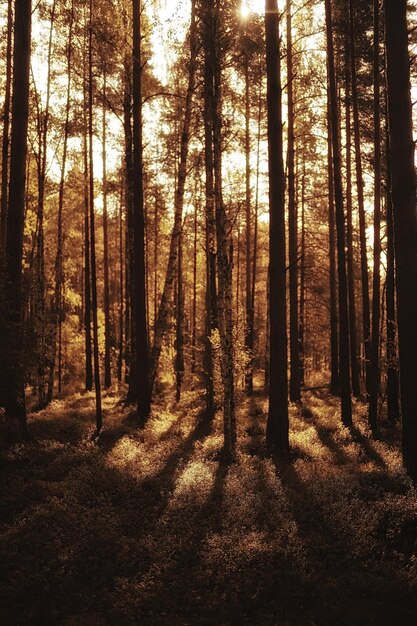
[(367, 447), (335, 593), (182, 591), (117, 510)]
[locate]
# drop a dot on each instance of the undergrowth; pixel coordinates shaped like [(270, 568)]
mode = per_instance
[(150, 527)]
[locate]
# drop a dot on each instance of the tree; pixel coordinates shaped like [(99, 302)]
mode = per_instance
[(13, 382), (141, 333), (295, 381), (340, 228), (277, 425), (403, 181)]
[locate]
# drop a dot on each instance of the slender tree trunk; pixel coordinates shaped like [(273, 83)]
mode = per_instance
[(13, 374), (40, 286), (340, 228), (277, 424), (405, 218), (6, 138), (295, 383), (354, 364), (58, 295), (131, 361), (393, 389), (301, 331), (366, 323), (87, 252), (107, 324), (179, 360), (376, 287), (121, 290), (249, 299), (94, 305), (163, 311), (224, 251), (141, 353), (334, 318), (194, 302)]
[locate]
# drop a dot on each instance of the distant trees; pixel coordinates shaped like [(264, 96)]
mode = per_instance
[(155, 270)]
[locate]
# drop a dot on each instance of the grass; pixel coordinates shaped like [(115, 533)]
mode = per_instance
[(150, 527)]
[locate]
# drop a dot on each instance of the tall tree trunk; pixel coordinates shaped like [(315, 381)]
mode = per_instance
[(334, 318), (179, 360), (366, 323), (87, 252), (6, 138), (340, 228), (163, 311), (224, 251), (354, 364), (40, 285), (301, 330), (94, 305), (405, 217), (277, 424), (57, 302), (249, 299), (121, 290), (393, 389), (13, 374), (107, 325), (194, 300), (131, 361), (295, 382), (376, 287), (142, 352)]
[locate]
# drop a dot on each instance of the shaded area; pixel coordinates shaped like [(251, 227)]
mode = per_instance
[(152, 527)]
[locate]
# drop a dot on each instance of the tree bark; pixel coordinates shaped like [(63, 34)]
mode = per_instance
[(295, 382), (141, 352), (366, 323), (13, 374), (405, 218), (94, 305), (277, 424), (340, 228)]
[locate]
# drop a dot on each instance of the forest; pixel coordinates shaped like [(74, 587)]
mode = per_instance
[(208, 312)]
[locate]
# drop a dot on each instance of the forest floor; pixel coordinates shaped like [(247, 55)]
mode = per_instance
[(151, 527)]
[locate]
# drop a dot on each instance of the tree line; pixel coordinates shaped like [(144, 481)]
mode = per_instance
[(243, 220)]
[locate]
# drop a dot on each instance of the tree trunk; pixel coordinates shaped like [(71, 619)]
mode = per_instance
[(340, 228), (57, 302), (393, 389), (6, 138), (354, 364), (13, 375), (249, 299), (376, 287), (366, 323), (405, 218), (224, 250), (107, 325), (277, 424), (163, 311), (179, 360), (94, 305), (141, 352), (334, 319), (87, 268), (295, 382)]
